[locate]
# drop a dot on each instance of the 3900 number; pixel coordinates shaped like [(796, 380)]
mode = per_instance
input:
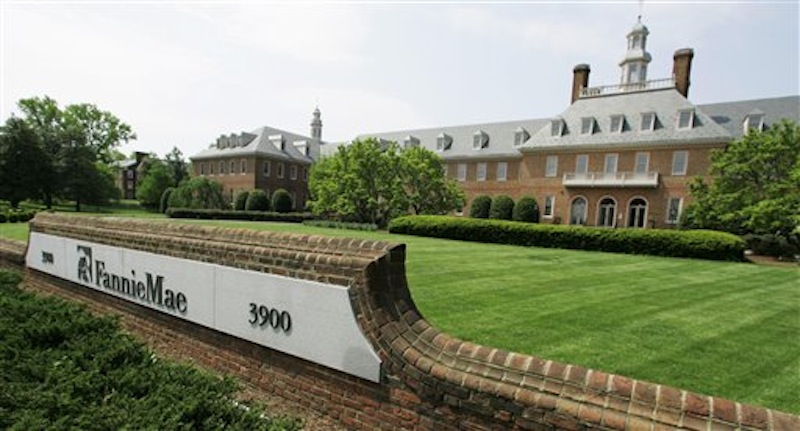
[(261, 315)]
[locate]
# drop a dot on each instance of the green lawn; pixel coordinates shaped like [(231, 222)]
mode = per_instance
[(726, 329)]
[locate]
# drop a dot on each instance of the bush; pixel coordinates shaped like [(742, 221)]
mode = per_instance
[(526, 210), (238, 215), (702, 244), (773, 245), (164, 203), (240, 202), (198, 192), (480, 207), (257, 200), (13, 217), (3, 217), (342, 225), (282, 201), (502, 208)]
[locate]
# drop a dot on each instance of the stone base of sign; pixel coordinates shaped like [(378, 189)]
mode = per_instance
[(432, 381)]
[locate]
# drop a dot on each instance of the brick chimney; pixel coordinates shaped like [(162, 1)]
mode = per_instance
[(682, 69), (580, 80)]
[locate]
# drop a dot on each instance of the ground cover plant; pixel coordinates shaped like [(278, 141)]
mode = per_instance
[(66, 369), (720, 328)]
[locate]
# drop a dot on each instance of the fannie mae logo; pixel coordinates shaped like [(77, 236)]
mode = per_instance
[(150, 291)]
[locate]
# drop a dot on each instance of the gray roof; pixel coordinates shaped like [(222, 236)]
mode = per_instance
[(500, 138), (261, 145), (665, 103), (731, 115)]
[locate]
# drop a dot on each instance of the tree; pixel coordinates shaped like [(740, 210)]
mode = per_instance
[(22, 160), (156, 177), (756, 186), (257, 200), (79, 143), (240, 202), (502, 208), (198, 193), (371, 182), (177, 165)]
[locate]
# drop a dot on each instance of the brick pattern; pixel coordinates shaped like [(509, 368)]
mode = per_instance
[(12, 254), (432, 380)]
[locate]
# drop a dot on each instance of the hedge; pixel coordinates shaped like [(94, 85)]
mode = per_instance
[(257, 200), (282, 201), (502, 207), (332, 224), (16, 216), (241, 200), (702, 244), (527, 210), (238, 215), (480, 207)]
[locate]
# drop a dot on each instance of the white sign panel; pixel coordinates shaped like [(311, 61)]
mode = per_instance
[(310, 320)]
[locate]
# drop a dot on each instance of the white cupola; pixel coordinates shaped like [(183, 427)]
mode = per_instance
[(634, 65)]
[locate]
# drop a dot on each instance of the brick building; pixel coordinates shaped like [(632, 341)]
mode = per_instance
[(129, 172), (618, 156), (266, 159)]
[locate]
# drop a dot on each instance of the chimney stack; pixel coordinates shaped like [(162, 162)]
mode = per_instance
[(580, 80), (681, 69)]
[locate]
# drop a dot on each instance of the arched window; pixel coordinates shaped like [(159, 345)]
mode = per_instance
[(577, 211), (637, 213), (606, 212)]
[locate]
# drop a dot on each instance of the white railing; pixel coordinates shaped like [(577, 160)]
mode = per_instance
[(617, 179), (627, 88)]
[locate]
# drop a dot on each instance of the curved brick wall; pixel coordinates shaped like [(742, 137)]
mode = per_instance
[(433, 381)]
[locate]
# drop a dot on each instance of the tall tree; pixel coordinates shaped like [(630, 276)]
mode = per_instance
[(177, 165), (22, 160), (156, 178), (756, 186), (371, 182)]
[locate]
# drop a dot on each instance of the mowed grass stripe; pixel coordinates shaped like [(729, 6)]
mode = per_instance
[(726, 329)]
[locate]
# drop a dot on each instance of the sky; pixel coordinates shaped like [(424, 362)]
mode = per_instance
[(182, 73)]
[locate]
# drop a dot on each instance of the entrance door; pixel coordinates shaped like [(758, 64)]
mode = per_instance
[(606, 212), (577, 213), (637, 213)]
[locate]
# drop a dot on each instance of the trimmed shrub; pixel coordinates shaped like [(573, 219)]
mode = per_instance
[(342, 225), (480, 207), (238, 215), (241, 200), (502, 208), (13, 217), (526, 210), (164, 203), (282, 201), (3, 217), (257, 200), (772, 245), (702, 244)]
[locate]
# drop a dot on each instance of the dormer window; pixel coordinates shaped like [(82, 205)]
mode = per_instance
[(520, 136), (587, 125), (480, 140), (278, 142), (685, 119), (617, 123), (444, 142), (754, 121), (410, 141), (648, 122), (557, 127)]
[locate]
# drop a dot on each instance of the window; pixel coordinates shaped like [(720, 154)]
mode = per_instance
[(222, 168), (642, 162), (587, 125), (577, 211), (443, 142), (551, 167), (617, 123), (582, 164), (481, 174), (502, 171), (633, 73), (606, 212), (557, 127), (648, 122), (674, 210), (266, 169), (637, 213), (520, 136), (211, 168), (202, 168), (410, 141), (293, 172), (679, 161), (305, 174), (234, 168), (754, 121), (130, 174), (280, 170), (130, 185), (480, 140), (445, 169), (462, 171), (685, 119), (549, 203), (244, 166), (611, 163)]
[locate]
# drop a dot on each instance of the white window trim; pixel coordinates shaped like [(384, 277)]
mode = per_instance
[(646, 164), (480, 173), (503, 177), (748, 126), (619, 127), (266, 170), (561, 126), (652, 125), (680, 210), (547, 171), (243, 166), (646, 212), (578, 165), (685, 162), (293, 172), (281, 170), (552, 206), (591, 126), (691, 114), (615, 157), (461, 173)]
